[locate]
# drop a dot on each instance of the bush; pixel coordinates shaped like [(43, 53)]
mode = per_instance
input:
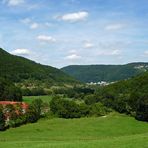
[(2, 119), (67, 108), (91, 99), (34, 111), (139, 104), (98, 109)]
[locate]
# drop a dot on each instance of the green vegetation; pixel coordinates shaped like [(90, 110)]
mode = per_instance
[(14, 115), (128, 96), (2, 119), (30, 74), (66, 108), (29, 99), (108, 73), (33, 113), (114, 131), (55, 94), (8, 91)]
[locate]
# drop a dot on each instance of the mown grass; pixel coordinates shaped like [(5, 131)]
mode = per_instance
[(114, 131), (29, 99)]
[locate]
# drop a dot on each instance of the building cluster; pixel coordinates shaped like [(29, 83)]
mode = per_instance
[(101, 83)]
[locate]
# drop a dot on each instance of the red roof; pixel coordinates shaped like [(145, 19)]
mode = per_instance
[(24, 105)]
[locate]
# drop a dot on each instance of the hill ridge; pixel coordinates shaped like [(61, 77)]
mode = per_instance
[(103, 72), (20, 69)]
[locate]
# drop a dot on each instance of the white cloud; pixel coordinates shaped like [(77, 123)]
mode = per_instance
[(22, 52), (48, 24), (146, 53), (13, 2), (73, 57), (88, 45), (29, 22), (45, 38), (114, 27), (73, 51), (34, 26), (26, 20), (109, 52), (74, 17)]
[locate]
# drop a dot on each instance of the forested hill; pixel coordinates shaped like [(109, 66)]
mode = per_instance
[(8, 91), (128, 96), (19, 69), (109, 73)]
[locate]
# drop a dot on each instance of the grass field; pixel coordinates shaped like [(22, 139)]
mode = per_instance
[(113, 131), (29, 99)]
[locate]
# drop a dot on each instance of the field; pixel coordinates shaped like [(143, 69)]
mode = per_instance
[(113, 131), (29, 99)]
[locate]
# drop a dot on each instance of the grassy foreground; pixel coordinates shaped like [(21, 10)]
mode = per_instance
[(113, 131)]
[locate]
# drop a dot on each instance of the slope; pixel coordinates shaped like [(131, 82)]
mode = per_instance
[(19, 69), (97, 73)]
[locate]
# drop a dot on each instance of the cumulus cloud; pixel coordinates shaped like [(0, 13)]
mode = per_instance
[(13, 2), (74, 17), (73, 51), (114, 27), (34, 26), (30, 23), (146, 53), (45, 38), (21, 52), (73, 57), (109, 52), (88, 45), (26, 20)]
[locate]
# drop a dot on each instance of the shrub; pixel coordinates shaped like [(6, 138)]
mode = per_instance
[(34, 111), (2, 119), (67, 108), (98, 109)]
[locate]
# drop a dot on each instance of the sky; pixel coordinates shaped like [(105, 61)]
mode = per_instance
[(73, 32)]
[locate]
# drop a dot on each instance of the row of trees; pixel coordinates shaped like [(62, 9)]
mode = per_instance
[(77, 92), (8, 91), (70, 109)]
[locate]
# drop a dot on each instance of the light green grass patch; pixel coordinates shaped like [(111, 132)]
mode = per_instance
[(114, 131), (29, 99)]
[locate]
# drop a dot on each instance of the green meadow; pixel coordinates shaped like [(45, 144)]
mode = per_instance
[(112, 131), (29, 99)]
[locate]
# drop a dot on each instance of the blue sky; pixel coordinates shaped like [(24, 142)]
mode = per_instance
[(66, 32)]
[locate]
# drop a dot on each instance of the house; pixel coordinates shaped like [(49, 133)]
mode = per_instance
[(20, 108)]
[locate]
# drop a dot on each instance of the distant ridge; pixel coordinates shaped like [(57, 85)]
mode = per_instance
[(109, 73), (22, 70)]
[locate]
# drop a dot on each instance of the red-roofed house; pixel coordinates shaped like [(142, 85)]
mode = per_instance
[(22, 108)]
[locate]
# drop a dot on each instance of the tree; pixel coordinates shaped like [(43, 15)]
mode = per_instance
[(67, 108), (2, 119), (34, 111)]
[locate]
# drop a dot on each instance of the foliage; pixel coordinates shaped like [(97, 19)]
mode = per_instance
[(98, 109), (22, 70), (8, 91), (2, 119), (91, 99), (108, 73), (34, 111), (77, 92), (67, 108), (128, 96)]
